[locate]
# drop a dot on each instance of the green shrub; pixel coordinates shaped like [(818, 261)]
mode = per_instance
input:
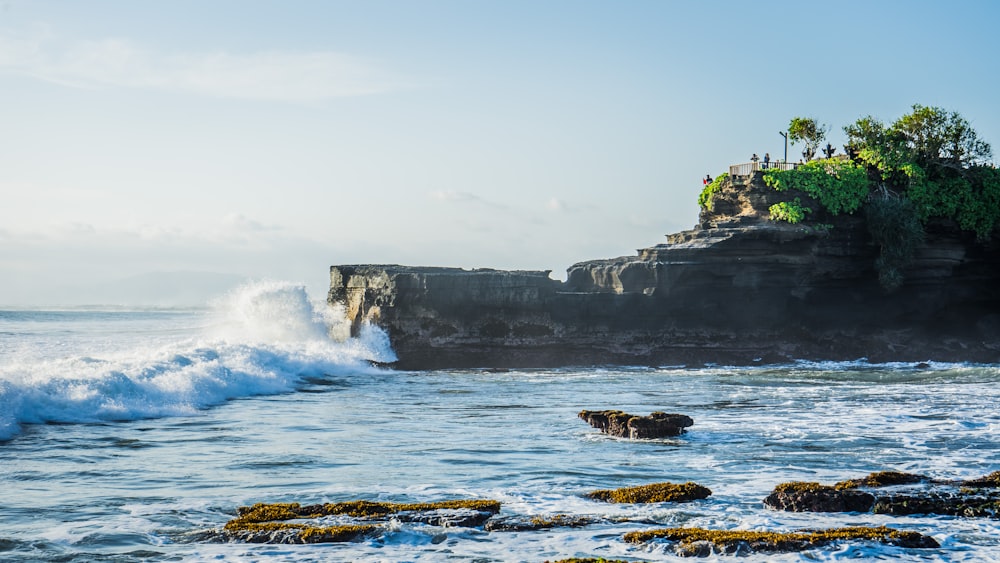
[(705, 198), (791, 211), (840, 186)]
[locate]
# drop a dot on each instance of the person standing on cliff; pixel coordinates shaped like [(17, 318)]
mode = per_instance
[(707, 180), (767, 159)]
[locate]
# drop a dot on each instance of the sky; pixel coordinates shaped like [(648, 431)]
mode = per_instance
[(222, 140)]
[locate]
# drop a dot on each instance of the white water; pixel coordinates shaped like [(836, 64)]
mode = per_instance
[(85, 366), (129, 432)]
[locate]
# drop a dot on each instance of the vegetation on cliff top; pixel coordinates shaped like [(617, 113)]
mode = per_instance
[(927, 166)]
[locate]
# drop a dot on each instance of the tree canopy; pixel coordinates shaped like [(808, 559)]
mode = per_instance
[(807, 130), (928, 165)]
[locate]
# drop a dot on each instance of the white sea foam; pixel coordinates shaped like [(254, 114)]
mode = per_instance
[(262, 338)]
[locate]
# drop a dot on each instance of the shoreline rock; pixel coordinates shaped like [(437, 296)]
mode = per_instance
[(907, 494), (700, 542)]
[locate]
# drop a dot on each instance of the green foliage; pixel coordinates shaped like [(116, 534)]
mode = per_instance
[(806, 130), (936, 159), (791, 211), (895, 227), (840, 186), (705, 198)]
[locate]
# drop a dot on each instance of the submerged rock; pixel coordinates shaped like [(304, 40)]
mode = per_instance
[(633, 427), (702, 542), (656, 492), (529, 523)]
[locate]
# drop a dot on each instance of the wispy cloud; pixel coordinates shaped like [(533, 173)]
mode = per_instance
[(120, 63), (464, 198), (562, 206)]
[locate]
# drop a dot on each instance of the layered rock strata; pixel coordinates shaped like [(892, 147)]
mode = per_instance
[(737, 289)]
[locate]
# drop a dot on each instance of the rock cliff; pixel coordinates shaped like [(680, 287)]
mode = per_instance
[(737, 289)]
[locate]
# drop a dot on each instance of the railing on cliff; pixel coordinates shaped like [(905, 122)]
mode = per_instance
[(749, 168)]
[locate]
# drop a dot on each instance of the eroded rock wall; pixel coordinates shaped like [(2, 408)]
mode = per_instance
[(736, 289)]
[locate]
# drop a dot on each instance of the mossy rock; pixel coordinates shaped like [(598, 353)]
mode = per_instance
[(987, 481), (262, 512), (798, 496), (266, 523), (283, 533), (530, 523), (656, 492), (882, 479), (972, 498), (702, 542)]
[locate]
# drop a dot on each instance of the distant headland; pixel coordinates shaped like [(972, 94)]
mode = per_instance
[(889, 251)]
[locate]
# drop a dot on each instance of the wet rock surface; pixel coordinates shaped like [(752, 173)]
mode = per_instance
[(700, 542), (625, 425), (345, 521), (893, 493), (656, 492)]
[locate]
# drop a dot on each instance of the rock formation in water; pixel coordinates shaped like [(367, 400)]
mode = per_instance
[(625, 425), (737, 289)]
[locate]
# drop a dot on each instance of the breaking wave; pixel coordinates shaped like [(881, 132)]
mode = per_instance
[(262, 338)]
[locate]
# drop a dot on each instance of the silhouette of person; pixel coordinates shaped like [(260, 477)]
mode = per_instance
[(707, 180), (767, 159)]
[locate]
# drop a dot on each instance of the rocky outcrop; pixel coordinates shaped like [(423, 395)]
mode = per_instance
[(655, 492), (737, 289), (892, 493), (699, 542), (624, 425)]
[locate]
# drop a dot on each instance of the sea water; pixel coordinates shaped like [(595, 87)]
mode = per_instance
[(125, 435)]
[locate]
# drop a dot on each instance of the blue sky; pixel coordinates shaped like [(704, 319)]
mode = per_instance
[(274, 139)]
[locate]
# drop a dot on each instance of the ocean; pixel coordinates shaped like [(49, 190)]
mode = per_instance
[(134, 435)]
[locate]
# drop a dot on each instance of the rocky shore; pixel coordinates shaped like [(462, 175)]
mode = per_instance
[(737, 289)]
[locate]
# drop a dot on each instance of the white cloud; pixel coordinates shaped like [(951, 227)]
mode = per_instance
[(270, 75), (464, 198), (561, 206)]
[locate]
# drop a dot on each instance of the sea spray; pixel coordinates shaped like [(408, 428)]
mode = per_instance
[(262, 338)]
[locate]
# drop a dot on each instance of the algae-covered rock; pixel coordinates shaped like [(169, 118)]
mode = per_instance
[(656, 492), (895, 493), (625, 425), (960, 503), (882, 479), (530, 523), (813, 497), (987, 481), (702, 542), (268, 523), (281, 532)]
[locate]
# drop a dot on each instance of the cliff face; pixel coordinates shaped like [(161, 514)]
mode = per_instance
[(736, 289)]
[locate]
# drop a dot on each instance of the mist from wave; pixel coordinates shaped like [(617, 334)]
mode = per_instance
[(263, 337)]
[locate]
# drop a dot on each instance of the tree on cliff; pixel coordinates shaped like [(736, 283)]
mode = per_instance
[(928, 166), (806, 130), (935, 159)]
